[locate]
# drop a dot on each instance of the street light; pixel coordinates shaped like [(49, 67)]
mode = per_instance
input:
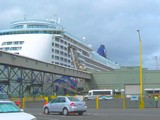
[(141, 105)]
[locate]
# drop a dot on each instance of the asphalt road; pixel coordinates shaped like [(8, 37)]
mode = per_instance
[(108, 110), (101, 114)]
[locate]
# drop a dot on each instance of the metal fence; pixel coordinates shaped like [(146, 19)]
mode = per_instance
[(123, 102), (120, 102)]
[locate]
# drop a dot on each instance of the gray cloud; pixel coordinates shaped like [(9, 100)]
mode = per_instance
[(109, 22)]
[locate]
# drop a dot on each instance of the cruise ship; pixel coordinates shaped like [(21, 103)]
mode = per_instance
[(48, 41)]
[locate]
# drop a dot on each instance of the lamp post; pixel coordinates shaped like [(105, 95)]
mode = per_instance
[(141, 105)]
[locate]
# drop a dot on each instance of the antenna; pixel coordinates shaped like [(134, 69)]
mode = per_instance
[(25, 17), (59, 20), (55, 18)]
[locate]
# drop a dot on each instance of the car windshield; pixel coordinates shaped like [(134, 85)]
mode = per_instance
[(8, 107), (73, 99)]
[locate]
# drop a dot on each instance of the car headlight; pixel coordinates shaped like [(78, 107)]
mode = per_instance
[(34, 119)]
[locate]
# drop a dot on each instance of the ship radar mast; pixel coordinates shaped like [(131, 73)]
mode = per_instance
[(56, 19), (25, 17)]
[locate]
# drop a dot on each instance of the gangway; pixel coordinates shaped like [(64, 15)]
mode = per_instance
[(20, 76)]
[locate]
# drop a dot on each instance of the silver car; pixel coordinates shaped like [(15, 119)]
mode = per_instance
[(65, 105)]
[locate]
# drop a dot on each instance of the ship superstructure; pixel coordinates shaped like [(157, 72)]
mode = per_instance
[(48, 41)]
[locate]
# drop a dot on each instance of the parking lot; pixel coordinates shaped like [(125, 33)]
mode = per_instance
[(94, 114), (101, 114)]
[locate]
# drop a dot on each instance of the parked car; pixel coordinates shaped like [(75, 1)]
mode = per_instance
[(65, 105), (10, 111)]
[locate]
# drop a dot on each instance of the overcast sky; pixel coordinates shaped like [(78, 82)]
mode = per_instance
[(113, 23)]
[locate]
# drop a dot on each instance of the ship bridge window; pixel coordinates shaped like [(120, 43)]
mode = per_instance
[(69, 61), (57, 51), (31, 32), (57, 45), (61, 47), (57, 57), (65, 48), (65, 60), (11, 48), (18, 42), (37, 26), (17, 27), (65, 43), (21, 42), (5, 49), (15, 48), (61, 58), (9, 43), (4, 43), (65, 54), (13, 43), (61, 52), (57, 39), (61, 41)]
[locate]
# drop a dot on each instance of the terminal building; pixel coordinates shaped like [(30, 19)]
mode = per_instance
[(126, 80)]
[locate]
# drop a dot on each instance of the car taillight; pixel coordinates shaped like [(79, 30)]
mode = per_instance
[(72, 104)]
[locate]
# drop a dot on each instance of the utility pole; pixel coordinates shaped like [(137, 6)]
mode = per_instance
[(157, 64), (141, 105)]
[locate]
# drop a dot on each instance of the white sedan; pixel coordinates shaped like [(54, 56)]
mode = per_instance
[(10, 111)]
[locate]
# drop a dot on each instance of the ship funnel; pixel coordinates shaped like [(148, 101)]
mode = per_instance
[(102, 51)]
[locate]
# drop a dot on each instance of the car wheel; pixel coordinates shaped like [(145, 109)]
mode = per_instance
[(104, 99), (65, 111), (85, 98), (46, 111), (80, 113)]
